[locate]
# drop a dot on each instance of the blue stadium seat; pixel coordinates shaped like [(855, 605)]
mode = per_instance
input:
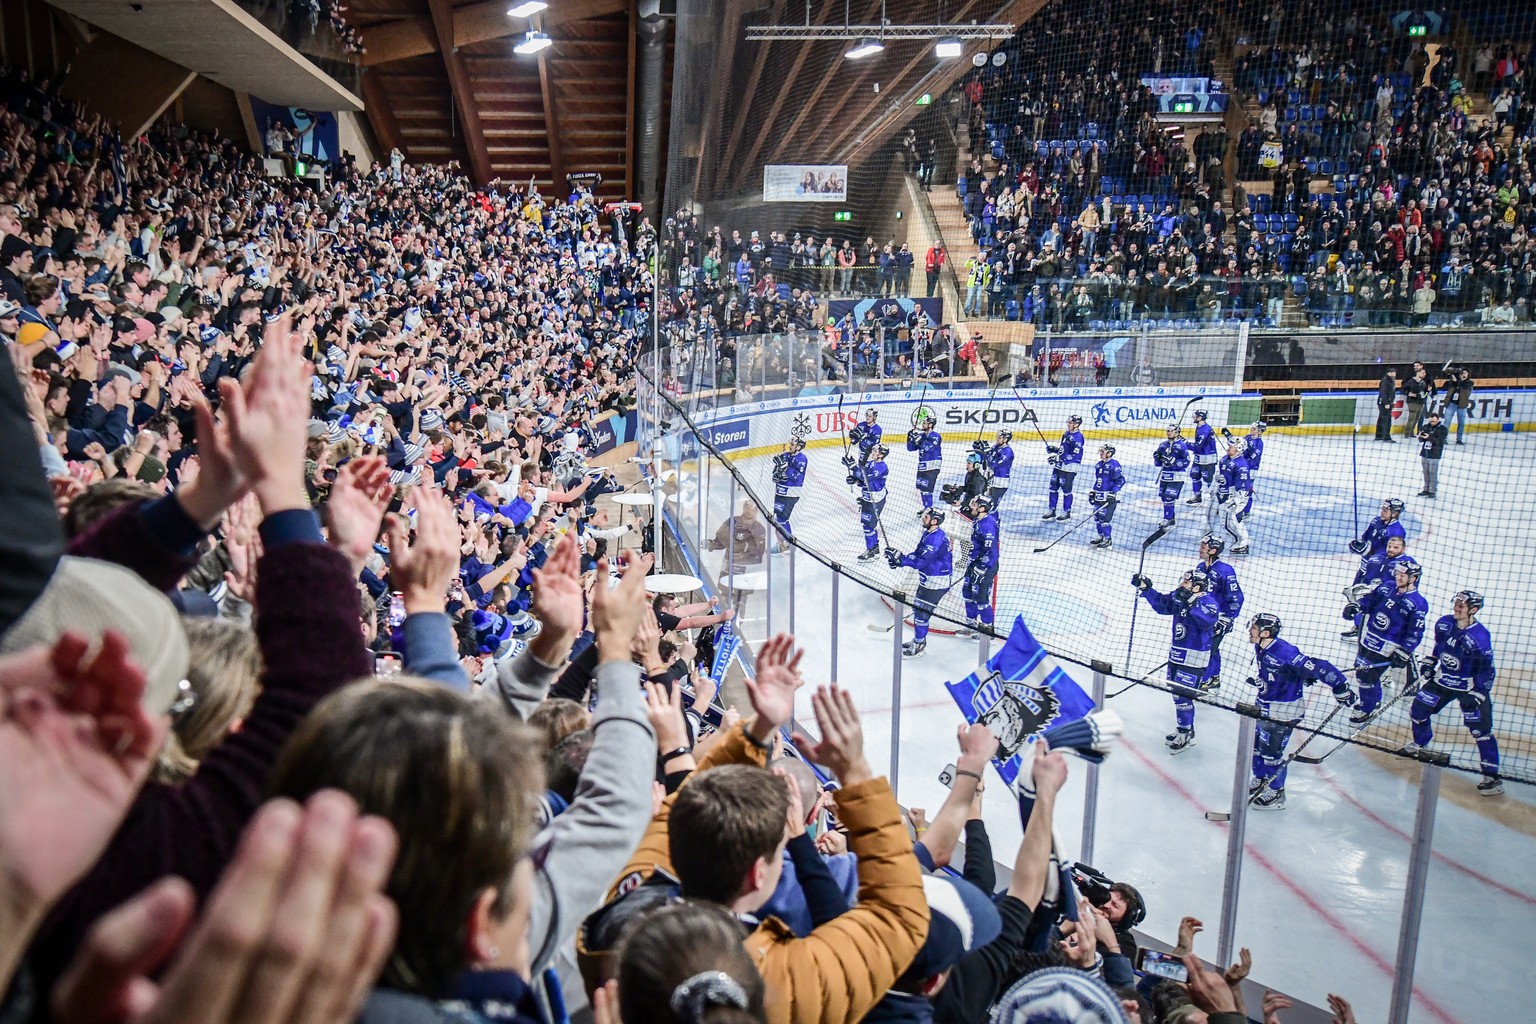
[(997, 150), (783, 291), (1292, 97), (1291, 220), (1106, 185), (1261, 202), (1092, 129), (1290, 114), (1325, 166), (1116, 200), (1310, 163), (1304, 113), (1145, 199), (1096, 325)]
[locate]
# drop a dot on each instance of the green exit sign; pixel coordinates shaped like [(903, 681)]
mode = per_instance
[(925, 99), (1184, 107), (843, 215), (1418, 30)]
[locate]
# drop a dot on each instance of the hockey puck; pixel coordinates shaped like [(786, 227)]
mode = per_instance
[(1217, 816)]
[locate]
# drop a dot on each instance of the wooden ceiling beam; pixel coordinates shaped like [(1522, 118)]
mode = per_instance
[(551, 122), (746, 96), (463, 93), (472, 23), (380, 115), (785, 86)]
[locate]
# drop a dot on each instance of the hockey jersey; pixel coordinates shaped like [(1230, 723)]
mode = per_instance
[(984, 546), (789, 474), (929, 447), (1284, 673), (932, 560), (1235, 479), (1070, 458), (1108, 477), (871, 479), (866, 436), (1173, 458), (1253, 452), (1194, 628), (1394, 621), (1204, 447), (1000, 461), (1377, 534), (1223, 588), (1464, 656)]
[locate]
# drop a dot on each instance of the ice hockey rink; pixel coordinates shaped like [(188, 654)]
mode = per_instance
[(1323, 880)]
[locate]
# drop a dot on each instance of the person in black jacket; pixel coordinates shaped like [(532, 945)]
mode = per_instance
[(1431, 445), (1415, 392), (1386, 394)]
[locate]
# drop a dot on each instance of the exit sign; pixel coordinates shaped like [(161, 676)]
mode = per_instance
[(925, 99), (843, 215), (1183, 107), (1418, 30)]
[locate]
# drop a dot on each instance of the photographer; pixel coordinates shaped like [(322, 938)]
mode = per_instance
[(1120, 901), (1431, 444), (1458, 398)]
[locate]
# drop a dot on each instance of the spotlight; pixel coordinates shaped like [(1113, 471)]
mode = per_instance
[(950, 47), (526, 9), (533, 42), (864, 48)]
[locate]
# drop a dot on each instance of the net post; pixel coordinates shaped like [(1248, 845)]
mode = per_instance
[(1413, 903), (1243, 327), (792, 553), (1231, 879), (1091, 783), (837, 577), (897, 614)]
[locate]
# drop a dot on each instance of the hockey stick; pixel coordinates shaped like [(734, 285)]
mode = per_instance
[(1138, 682), (1152, 538), (1029, 414), (1185, 410), (1410, 687), (1354, 475), (1086, 520)]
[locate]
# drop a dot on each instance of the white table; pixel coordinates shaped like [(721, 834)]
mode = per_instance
[(757, 580), (672, 583)]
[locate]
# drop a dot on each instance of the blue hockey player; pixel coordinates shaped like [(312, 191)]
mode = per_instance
[(1202, 450), (1195, 614), (1385, 526), (1105, 496), (1227, 594), (981, 566), (1000, 462), (1253, 454), (788, 481), (1284, 673), (1374, 570), (933, 563), (1172, 460), (1232, 486), (1065, 459), (929, 446), (865, 435), (869, 477), (1394, 626), (1460, 669)]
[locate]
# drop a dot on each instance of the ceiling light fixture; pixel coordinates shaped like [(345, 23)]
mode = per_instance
[(526, 9), (866, 47), (950, 47), (533, 42)]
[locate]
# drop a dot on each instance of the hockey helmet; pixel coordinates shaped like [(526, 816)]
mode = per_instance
[(1074, 420), (1406, 564), (1213, 542), (1234, 442), (1174, 430), (879, 451), (937, 515), (1269, 622), (796, 442), (870, 415), (1201, 415), (981, 504), (1109, 448), (1471, 598), (923, 416), (1004, 436), (1393, 505), (1198, 578), (1259, 426)]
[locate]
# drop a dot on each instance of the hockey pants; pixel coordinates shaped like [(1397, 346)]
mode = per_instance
[(1062, 481), (1476, 713)]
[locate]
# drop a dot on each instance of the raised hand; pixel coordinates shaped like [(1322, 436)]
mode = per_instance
[(242, 543), (1274, 1002), (978, 745), (772, 691), (75, 746), (1207, 989), (664, 708), (617, 611), (1189, 927), (423, 568), (1238, 971), (841, 748), (794, 819), (358, 500), (1049, 771), (269, 420), (297, 930), (1343, 1013)]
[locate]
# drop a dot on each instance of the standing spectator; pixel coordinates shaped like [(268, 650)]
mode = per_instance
[(933, 263), (903, 261), (1423, 302), (1415, 391), (1088, 222), (1431, 446), (1458, 399), (1386, 395)]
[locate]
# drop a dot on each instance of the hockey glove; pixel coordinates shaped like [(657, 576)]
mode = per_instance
[(1223, 625), (1095, 497), (1345, 696), (978, 574), (1351, 610), (1251, 681), (1359, 547), (1429, 670), (1141, 582), (893, 558), (1181, 597), (849, 461), (1226, 434), (1159, 459), (1053, 449), (853, 480), (1401, 659), (913, 435)]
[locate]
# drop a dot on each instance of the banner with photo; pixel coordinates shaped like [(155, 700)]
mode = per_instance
[(891, 312), (805, 183)]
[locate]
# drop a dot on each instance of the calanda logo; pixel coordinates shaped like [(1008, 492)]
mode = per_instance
[(1101, 414)]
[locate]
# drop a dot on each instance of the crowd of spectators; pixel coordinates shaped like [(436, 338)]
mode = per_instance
[(1391, 198), (329, 696), (301, 21)]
